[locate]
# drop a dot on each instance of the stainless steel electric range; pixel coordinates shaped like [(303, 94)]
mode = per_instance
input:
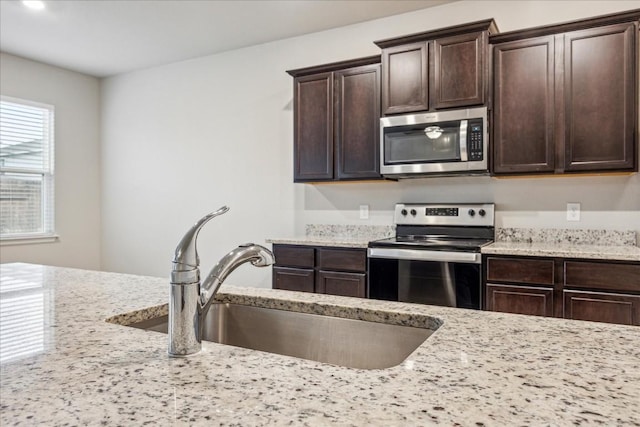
[(434, 257)]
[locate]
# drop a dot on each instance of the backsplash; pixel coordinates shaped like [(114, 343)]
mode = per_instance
[(567, 236), (350, 231)]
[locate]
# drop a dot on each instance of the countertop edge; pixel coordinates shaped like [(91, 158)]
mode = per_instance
[(597, 252)]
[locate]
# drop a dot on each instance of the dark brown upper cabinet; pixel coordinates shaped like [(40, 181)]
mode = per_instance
[(600, 97), (445, 68), (336, 121), (313, 127), (565, 97), (524, 108), (405, 84)]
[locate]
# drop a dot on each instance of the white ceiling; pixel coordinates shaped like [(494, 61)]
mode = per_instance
[(107, 37)]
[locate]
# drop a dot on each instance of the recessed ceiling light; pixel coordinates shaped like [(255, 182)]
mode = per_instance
[(33, 4)]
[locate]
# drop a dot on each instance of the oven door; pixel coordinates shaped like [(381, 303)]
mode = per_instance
[(450, 279)]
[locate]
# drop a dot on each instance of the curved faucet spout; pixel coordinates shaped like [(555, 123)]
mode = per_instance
[(259, 256), (189, 300), (186, 255)]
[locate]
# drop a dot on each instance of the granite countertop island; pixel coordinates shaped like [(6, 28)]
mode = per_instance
[(63, 364)]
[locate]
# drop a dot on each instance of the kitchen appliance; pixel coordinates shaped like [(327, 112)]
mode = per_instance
[(440, 143), (434, 257)]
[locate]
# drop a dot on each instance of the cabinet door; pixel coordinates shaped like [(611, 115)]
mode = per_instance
[(293, 279), (600, 98), (521, 270), (347, 259), (608, 276), (313, 127), (294, 256), (535, 301), (357, 122), (339, 283), (523, 94), (602, 307), (459, 70), (405, 78)]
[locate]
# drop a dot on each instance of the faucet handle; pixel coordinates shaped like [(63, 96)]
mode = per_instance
[(186, 254)]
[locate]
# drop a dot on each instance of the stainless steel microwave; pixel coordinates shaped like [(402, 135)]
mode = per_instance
[(440, 143)]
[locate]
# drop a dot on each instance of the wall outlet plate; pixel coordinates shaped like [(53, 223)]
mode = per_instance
[(573, 211), (364, 211)]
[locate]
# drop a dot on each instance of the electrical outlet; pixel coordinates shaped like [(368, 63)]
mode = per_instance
[(573, 211), (364, 211)]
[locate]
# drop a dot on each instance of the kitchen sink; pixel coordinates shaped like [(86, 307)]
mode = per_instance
[(335, 340)]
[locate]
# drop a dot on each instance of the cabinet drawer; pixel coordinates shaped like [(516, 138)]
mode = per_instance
[(339, 283), (599, 275), (294, 256), (520, 300), (602, 307), (520, 270), (342, 259), (293, 279)]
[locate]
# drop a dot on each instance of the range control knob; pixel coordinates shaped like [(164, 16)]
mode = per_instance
[(481, 212), (472, 212), (403, 212), (413, 212)]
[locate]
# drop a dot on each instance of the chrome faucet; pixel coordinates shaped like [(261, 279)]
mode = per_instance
[(189, 300)]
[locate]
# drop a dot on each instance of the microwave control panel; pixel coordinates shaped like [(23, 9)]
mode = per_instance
[(475, 148)]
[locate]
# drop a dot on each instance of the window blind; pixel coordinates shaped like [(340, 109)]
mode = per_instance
[(26, 169)]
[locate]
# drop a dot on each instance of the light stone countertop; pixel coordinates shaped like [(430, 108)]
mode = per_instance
[(543, 249), (477, 369), (344, 236), (328, 241)]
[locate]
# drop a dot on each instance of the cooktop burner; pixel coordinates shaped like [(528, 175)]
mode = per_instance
[(462, 227)]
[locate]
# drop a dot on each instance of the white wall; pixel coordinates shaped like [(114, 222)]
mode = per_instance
[(77, 164), (185, 138)]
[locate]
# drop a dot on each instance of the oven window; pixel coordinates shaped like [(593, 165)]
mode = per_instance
[(424, 282), (419, 144)]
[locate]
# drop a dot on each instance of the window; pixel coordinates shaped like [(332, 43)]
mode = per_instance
[(26, 170)]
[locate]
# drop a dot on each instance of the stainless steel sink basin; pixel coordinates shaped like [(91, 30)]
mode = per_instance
[(339, 341)]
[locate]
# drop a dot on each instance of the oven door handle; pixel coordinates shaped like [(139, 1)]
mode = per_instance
[(420, 255)]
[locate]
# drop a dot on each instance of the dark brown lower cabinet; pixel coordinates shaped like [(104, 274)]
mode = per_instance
[(535, 301), (341, 283), (596, 290), (602, 276), (326, 270), (293, 279), (602, 307)]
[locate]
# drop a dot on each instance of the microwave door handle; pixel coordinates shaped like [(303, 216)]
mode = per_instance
[(463, 141)]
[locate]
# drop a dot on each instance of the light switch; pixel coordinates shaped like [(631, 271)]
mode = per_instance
[(364, 211), (573, 211)]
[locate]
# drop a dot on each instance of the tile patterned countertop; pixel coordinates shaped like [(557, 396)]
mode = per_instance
[(478, 368)]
